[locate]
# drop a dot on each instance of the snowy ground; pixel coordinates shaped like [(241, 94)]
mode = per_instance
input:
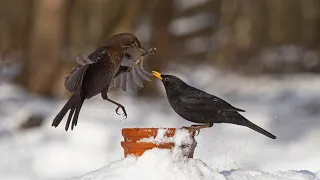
[(158, 164), (288, 107)]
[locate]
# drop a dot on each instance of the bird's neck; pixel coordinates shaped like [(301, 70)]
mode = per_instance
[(172, 93), (176, 91)]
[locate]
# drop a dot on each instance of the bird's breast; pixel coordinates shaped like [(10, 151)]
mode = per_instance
[(99, 76)]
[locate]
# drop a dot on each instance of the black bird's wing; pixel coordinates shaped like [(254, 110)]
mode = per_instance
[(132, 80), (74, 79), (196, 99)]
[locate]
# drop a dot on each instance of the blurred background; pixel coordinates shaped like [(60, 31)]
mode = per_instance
[(261, 56)]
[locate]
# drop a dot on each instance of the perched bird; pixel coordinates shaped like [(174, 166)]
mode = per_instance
[(200, 107), (95, 73)]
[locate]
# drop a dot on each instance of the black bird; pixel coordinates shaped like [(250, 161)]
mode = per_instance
[(200, 107), (95, 74)]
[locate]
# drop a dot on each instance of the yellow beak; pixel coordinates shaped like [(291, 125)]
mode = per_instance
[(157, 74)]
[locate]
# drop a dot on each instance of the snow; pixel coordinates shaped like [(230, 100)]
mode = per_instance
[(285, 106), (178, 138), (281, 175), (160, 138), (159, 164), (156, 164)]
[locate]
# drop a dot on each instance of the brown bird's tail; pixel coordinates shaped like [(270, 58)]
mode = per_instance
[(252, 126), (74, 104)]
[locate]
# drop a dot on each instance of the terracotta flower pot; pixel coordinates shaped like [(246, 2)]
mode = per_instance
[(132, 136)]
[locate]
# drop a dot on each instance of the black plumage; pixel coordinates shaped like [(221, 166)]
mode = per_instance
[(96, 72), (200, 107)]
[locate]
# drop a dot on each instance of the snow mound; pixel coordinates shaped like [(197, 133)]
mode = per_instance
[(155, 164), (281, 175), (162, 164), (165, 164), (159, 163)]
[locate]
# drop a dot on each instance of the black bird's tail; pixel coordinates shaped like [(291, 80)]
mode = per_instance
[(236, 118), (252, 126), (74, 104)]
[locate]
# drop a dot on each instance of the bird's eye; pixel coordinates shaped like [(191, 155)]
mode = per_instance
[(132, 43), (166, 79)]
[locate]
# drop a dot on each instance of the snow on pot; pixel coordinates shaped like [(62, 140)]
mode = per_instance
[(138, 140)]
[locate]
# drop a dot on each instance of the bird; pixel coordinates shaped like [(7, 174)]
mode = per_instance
[(97, 71), (202, 108)]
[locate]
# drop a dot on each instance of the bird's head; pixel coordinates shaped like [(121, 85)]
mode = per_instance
[(170, 82), (125, 41)]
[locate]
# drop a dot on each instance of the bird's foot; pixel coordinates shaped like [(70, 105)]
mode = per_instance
[(151, 51), (123, 109), (195, 128), (135, 63)]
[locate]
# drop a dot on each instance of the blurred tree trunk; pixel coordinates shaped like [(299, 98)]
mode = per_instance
[(14, 24), (161, 14), (46, 40)]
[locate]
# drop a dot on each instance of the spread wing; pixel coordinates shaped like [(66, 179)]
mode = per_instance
[(75, 78), (198, 100), (132, 80)]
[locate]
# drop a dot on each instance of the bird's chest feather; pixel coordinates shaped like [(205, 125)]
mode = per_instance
[(100, 75), (113, 65), (177, 105)]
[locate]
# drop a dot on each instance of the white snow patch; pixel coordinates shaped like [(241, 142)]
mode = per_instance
[(280, 175), (160, 164), (155, 164), (181, 136), (160, 138)]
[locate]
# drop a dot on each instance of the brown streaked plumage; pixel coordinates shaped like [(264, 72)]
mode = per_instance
[(95, 74)]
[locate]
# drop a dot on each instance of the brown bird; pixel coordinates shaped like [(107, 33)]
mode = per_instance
[(95, 74)]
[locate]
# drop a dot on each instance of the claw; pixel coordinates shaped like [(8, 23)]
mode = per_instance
[(197, 132), (152, 51), (124, 111), (196, 128), (118, 110), (192, 129)]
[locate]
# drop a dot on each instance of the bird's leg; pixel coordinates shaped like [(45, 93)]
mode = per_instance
[(119, 106), (105, 97), (196, 127), (151, 51)]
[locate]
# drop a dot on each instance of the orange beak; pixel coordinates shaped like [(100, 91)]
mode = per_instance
[(157, 74)]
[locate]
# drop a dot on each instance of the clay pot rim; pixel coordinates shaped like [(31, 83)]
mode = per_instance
[(148, 129), (132, 131), (146, 144)]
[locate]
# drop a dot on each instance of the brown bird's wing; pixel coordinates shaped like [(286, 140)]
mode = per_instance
[(132, 80), (199, 100), (74, 79)]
